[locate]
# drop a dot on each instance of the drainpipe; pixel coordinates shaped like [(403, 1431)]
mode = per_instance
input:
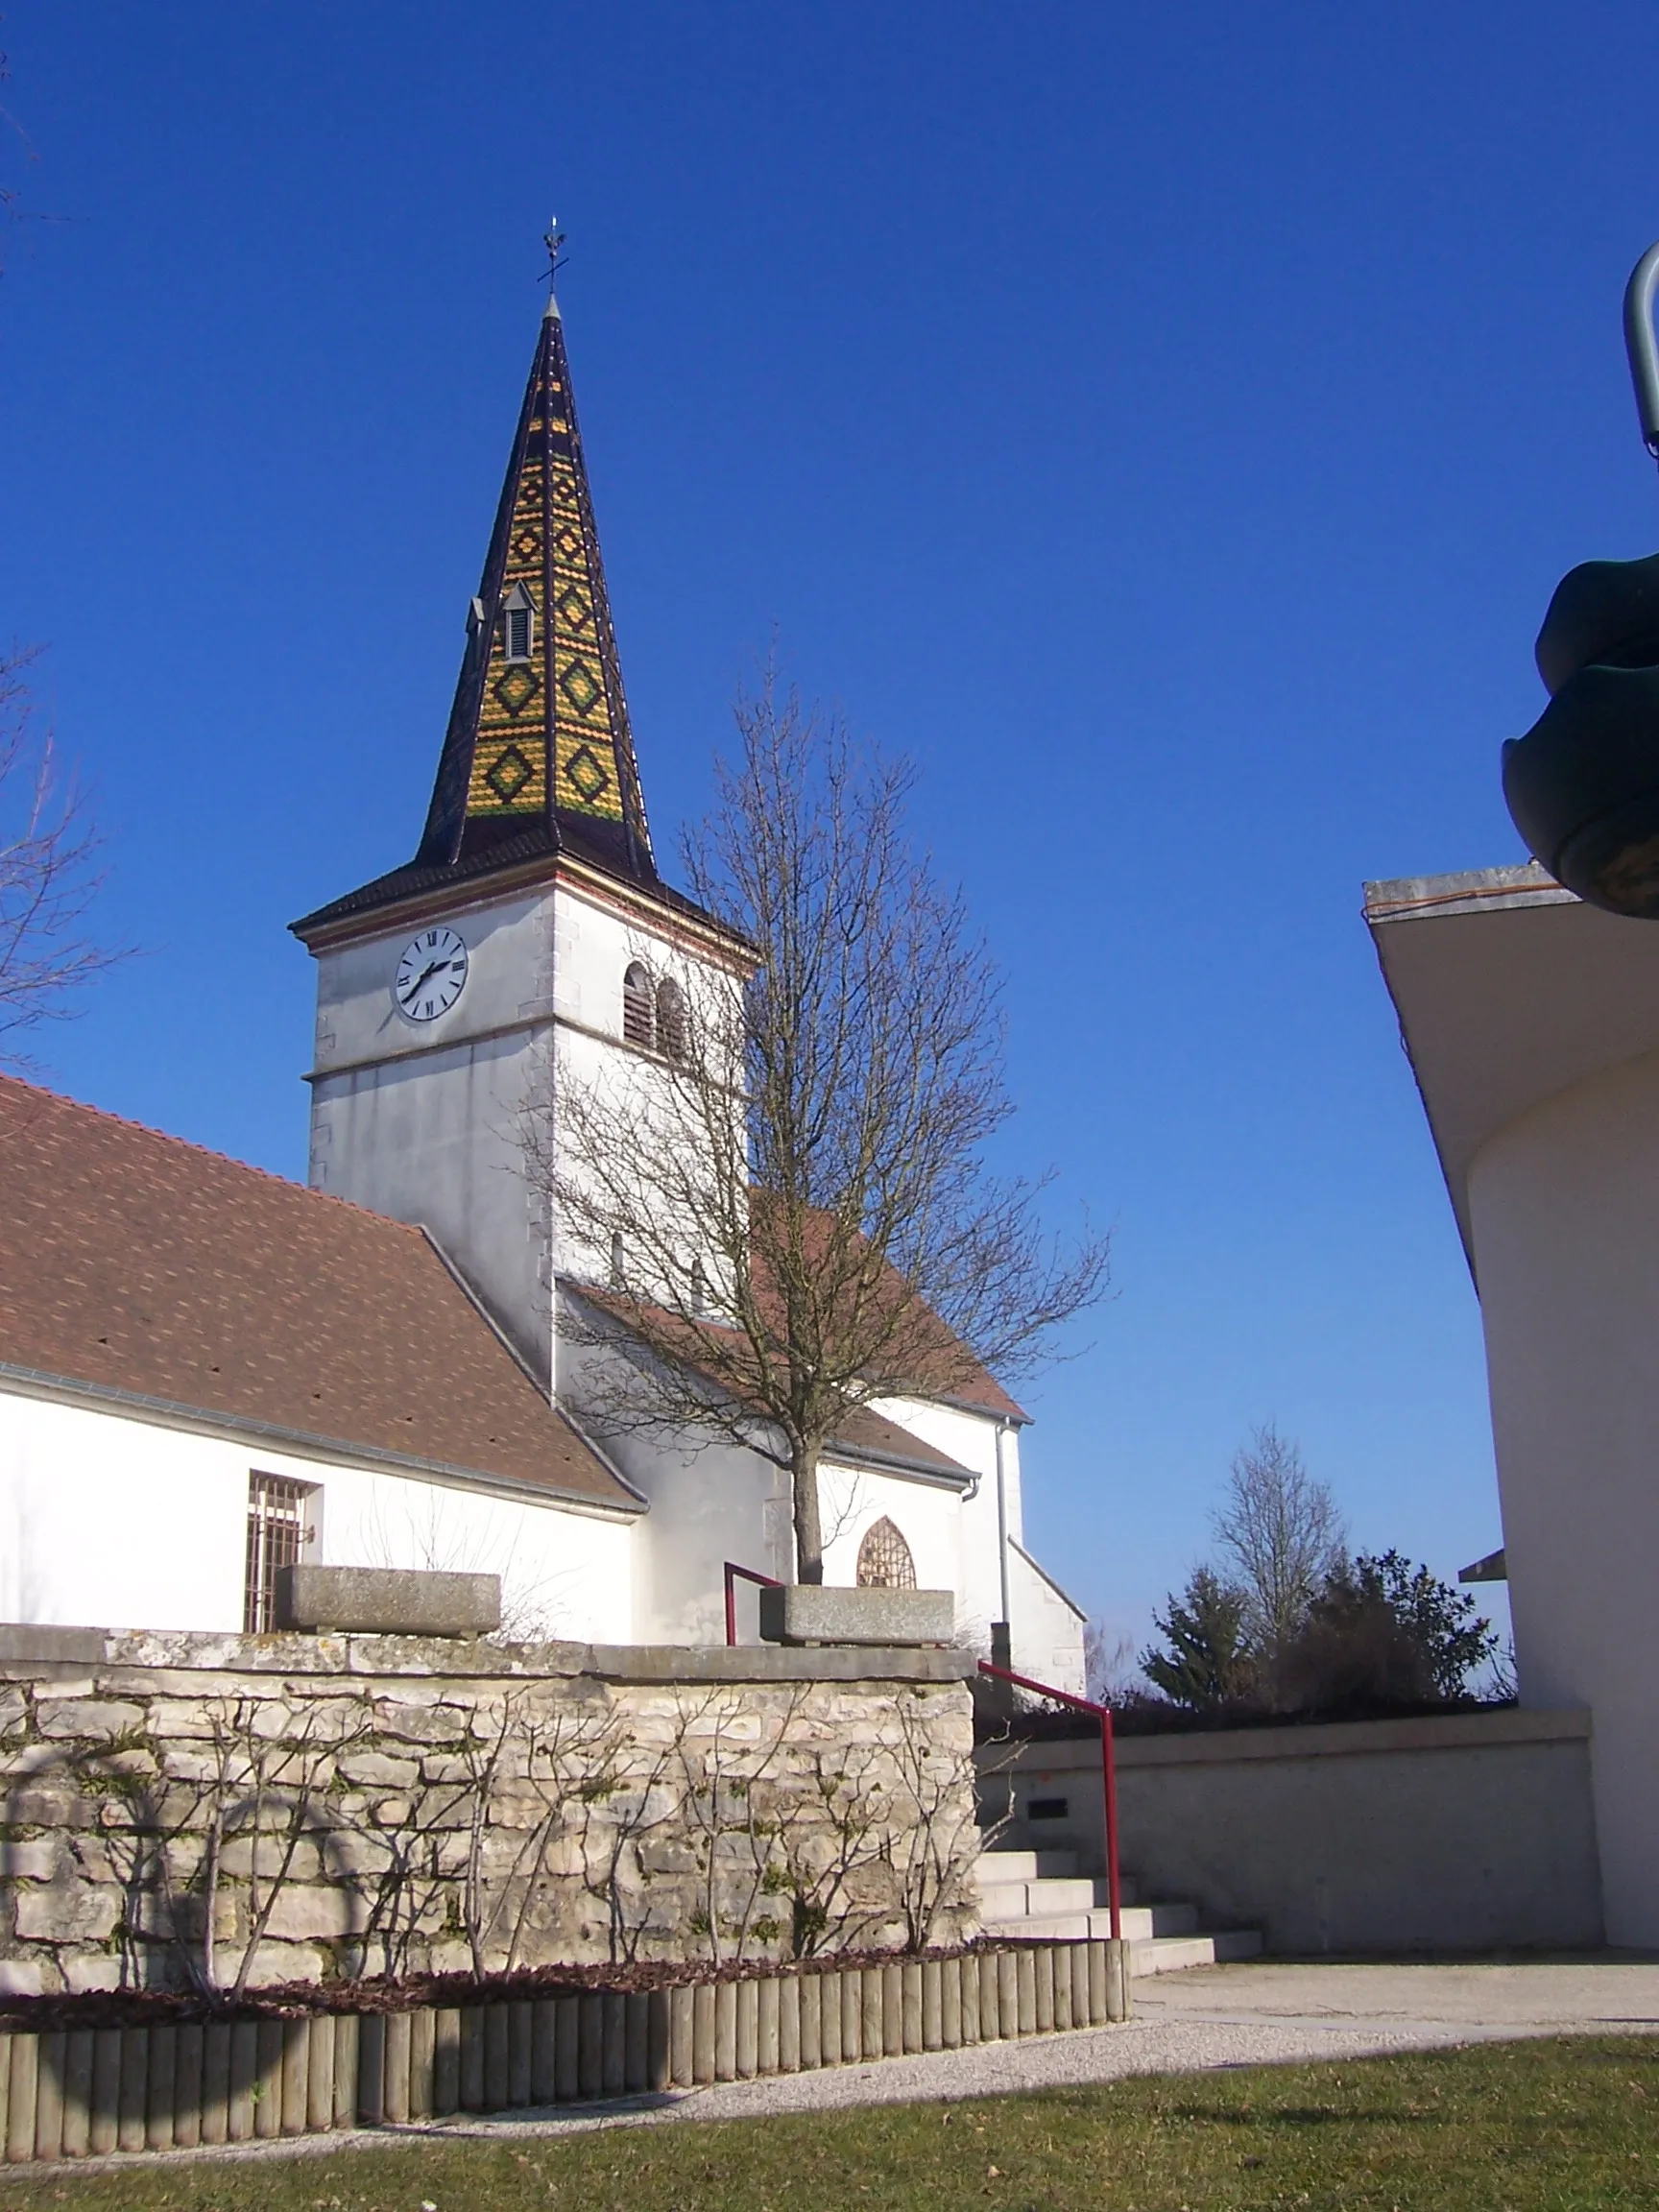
[(1002, 1634)]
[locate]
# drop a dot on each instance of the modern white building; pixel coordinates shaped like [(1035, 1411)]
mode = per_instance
[(207, 1371), (1532, 1024)]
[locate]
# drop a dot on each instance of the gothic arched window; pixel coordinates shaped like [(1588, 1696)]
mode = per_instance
[(885, 1561), (638, 1017), (671, 1019)]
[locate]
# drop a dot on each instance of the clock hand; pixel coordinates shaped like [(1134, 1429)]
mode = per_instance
[(414, 988)]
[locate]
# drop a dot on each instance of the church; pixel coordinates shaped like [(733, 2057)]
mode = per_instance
[(208, 1373)]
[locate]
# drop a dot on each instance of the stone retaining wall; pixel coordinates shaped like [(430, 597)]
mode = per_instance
[(182, 1810)]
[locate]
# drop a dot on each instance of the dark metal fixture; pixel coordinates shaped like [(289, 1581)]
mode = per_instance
[(1582, 785)]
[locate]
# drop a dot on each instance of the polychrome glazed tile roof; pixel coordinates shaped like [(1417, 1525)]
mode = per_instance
[(539, 754)]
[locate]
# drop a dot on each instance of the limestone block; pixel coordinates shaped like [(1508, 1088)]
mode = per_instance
[(371, 1769), (21, 1977), (443, 1767), (388, 1601), (424, 1724), (35, 1861), (66, 1915), (285, 1962), (86, 1717), (311, 1912), (50, 1804), (90, 1970), (134, 1763)]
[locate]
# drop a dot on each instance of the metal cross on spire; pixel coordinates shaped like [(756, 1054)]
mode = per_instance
[(553, 238)]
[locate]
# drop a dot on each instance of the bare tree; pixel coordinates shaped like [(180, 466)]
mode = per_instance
[(1281, 1533), (47, 876), (1111, 1672), (796, 1215)]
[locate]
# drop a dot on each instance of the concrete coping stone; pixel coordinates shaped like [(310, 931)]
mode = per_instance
[(1503, 1724), (28, 1649), (388, 1601), (822, 1613)]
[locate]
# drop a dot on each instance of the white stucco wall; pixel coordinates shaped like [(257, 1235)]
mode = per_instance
[(1564, 1204), (425, 1120), (110, 1521), (419, 1119)]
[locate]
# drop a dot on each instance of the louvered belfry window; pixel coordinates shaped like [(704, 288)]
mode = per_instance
[(638, 1020), (885, 1561), (671, 1019), (278, 1514)]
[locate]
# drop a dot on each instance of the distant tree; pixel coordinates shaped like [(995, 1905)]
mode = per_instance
[(1280, 1535), (800, 1212), (1381, 1633), (1109, 1664), (1208, 1661), (1454, 1641), (48, 879)]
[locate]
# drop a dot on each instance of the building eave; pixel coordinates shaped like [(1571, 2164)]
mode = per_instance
[(337, 1450), (1509, 991), (1042, 1576)]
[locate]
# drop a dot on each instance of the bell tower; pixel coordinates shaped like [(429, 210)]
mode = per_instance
[(454, 992)]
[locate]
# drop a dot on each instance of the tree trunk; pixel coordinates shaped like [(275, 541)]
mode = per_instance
[(808, 1528)]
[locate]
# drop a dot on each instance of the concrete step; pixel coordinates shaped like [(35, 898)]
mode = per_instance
[(1015, 1900), (1026, 1865), (1000, 1900), (1171, 1953), (1142, 1924)]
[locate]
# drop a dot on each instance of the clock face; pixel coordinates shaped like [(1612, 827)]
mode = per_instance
[(430, 975)]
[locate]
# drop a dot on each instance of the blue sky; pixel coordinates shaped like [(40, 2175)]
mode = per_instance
[(1169, 423)]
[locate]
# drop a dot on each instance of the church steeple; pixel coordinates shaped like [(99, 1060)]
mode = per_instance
[(539, 738)]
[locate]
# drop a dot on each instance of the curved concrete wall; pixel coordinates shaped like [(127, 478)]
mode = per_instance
[(1564, 1204)]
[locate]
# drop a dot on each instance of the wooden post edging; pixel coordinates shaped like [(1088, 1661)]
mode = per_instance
[(83, 2092)]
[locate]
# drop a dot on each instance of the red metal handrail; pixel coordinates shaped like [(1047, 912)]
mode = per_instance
[(1108, 1773), (748, 1573)]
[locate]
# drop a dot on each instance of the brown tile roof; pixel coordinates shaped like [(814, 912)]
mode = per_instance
[(863, 1433), (134, 1261), (945, 1370)]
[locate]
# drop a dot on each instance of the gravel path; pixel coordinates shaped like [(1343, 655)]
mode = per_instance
[(1247, 2016)]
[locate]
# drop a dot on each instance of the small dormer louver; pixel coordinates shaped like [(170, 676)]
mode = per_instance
[(518, 639)]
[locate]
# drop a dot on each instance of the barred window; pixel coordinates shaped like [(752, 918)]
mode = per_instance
[(280, 1524), (885, 1561), (638, 1017)]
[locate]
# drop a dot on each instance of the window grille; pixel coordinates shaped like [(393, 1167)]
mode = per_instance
[(885, 1561), (278, 1529), (671, 1019), (639, 1019)]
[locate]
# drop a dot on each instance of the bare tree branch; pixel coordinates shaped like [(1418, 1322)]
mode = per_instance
[(48, 880), (789, 1217)]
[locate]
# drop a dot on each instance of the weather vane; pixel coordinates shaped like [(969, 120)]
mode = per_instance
[(553, 238)]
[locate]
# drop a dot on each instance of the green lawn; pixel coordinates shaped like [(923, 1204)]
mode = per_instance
[(1564, 2124)]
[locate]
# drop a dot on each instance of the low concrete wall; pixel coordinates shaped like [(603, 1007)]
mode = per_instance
[(176, 1807), (1469, 1831)]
